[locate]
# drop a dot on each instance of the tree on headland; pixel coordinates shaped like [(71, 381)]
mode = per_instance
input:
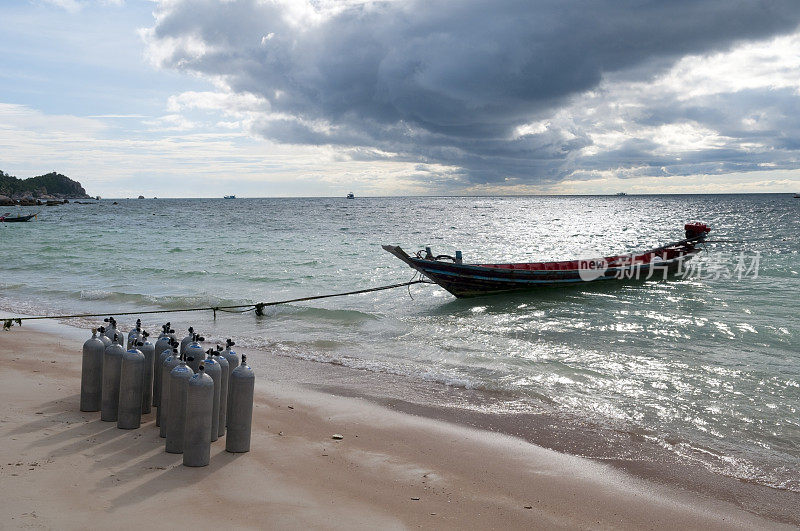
[(50, 184)]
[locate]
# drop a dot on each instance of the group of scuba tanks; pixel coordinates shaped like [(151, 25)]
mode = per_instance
[(197, 394)]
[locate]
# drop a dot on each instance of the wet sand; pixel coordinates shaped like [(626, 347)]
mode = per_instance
[(61, 468)]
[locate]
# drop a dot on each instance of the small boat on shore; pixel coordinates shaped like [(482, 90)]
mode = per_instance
[(470, 280), (5, 218)]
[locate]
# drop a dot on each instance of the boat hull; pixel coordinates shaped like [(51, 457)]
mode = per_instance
[(17, 219), (463, 280)]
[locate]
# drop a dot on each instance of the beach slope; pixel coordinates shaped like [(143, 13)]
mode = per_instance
[(60, 468)]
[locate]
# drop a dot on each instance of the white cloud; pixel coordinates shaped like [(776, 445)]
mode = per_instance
[(21, 118), (73, 6), (178, 161), (228, 103)]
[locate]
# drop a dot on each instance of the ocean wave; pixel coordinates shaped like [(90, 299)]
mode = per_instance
[(737, 467), (132, 301), (95, 295), (325, 351), (312, 313)]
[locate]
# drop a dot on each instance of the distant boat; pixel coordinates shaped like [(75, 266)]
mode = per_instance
[(5, 219), (141, 197), (620, 194), (797, 196), (351, 196), (230, 197)]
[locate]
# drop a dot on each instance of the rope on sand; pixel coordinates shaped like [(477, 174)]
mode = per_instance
[(258, 307)]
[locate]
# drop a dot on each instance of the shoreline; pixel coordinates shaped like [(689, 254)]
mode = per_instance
[(296, 475)]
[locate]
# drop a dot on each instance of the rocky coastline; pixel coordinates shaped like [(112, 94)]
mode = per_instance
[(48, 189)]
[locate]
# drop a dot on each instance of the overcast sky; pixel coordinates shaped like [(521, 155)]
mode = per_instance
[(296, 97)]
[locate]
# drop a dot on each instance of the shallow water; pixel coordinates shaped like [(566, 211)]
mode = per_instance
[(706, 367)]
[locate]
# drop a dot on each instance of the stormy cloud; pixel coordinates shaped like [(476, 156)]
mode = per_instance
[(528, 91)]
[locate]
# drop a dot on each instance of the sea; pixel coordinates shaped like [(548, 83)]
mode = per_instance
[(704, 367)]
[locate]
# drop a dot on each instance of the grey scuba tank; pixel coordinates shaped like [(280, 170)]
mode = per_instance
[(214, 370), (195, 351), (135, 334), (130, 389), (164, 343), (223, 392), (103, 337), (176, 416), (111, 329), (119, 338), (171, 332), (112, 365), (148, 350), (157, 374), (186, 341), (163, 409), (233, 362), (92, 373), (197, 434), (240, 418)]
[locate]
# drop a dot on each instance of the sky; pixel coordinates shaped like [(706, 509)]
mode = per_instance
[(266, 98)]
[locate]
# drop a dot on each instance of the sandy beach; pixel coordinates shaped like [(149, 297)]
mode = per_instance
[(65, 469)]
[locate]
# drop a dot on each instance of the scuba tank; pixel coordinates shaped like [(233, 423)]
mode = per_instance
[(103, 337), (233, 362), (119, 338), (230, 355), (92, 373), (240, 417), (159, 363), (163, 343), (223, 393), (163, 332), (135, 334), (176, 416), (197, 435), (196, 351), (170, 363), (112, 365), (171, 332), (214, 370), (148, 350), (186, 341), (111, 329), (130, 389)]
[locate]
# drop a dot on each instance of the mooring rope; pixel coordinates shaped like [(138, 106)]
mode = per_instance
[(236, 308)]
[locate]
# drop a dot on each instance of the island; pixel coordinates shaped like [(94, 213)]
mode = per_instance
[(48, 188)]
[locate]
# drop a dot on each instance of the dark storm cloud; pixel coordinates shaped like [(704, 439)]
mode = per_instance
[(449, 82)]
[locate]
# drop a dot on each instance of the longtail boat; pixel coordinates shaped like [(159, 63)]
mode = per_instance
[(5, 219), (470, 280)]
